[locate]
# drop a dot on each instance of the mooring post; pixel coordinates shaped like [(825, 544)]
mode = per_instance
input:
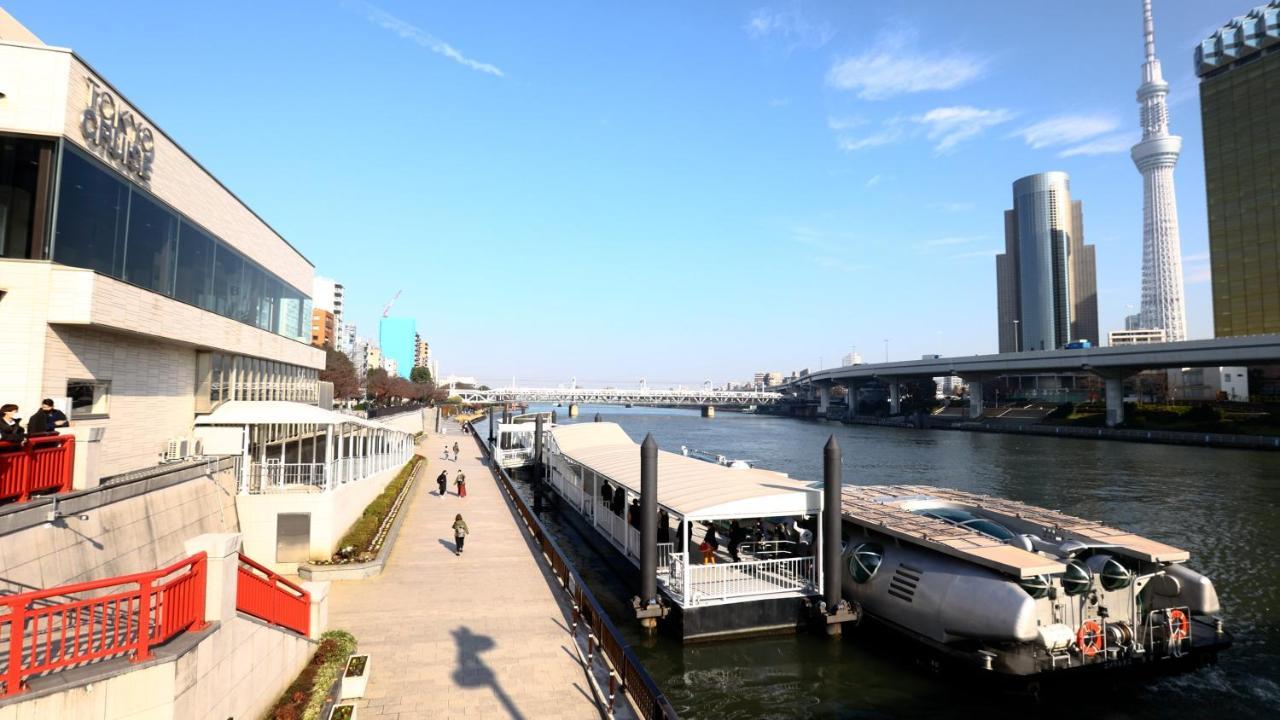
[(831, 511), (537, 446), (647, 608), (553, 417), (490, 429), (597, 417)]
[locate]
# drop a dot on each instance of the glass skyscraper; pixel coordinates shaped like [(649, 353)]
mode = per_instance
[(1046, 281), (1239, 69)]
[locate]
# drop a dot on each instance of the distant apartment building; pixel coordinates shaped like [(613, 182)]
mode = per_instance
[(391, 366), (421, 353), (346, 338), (396, 337), (1135, 337), (851, 359), (372, 357), (948, 386), (322, 331), (773, 379), (1046, 278), (328, 294), (758, 379), (1239, 69), (136, 290)]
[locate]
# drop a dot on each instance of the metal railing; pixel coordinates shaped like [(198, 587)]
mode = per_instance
[(273, 477), (665, 553), (43, 462), (513, 457), (269, 597), (44, 632), (723, 581), (626, 674)]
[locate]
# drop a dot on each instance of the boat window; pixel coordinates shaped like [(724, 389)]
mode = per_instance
[(969, 521)]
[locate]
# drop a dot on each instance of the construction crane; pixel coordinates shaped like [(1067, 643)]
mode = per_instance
[(386, 309)]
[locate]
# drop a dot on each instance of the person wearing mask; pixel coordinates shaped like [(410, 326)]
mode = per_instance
[(46, 420), (461, 483), (442, 482), (460, 531), (10, 426)]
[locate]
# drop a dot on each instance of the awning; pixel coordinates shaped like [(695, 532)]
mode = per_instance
[(695, 489), (265, 412)]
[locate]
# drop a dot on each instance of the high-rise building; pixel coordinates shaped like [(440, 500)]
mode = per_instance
[(1135, 337), (1155, 156), (1046, 279), (322, 330), (773, 379), (396, 337), (421, 352), (851, 359), (1239, 69), (327, 294), (346, 338)]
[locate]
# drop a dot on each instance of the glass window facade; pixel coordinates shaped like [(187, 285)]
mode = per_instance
[(24, 182), (1239, 106), (106, 224), (237, 377)]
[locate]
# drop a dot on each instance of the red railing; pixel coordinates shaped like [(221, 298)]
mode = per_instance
[(41, 463), (45, 631), (268, 596)]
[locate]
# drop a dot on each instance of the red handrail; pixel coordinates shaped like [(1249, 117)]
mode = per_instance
[(267, 596), (46, 634), (43, 462)]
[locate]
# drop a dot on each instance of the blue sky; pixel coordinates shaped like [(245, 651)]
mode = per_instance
[(672, 190)]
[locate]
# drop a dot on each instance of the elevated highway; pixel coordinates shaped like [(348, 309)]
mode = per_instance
[(1112, 364)]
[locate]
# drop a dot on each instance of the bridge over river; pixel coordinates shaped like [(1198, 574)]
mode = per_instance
[(704, 397)]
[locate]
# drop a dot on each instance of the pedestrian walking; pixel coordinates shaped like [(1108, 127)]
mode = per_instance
[(442, 481), (445, 454), (459, 533), (455, 451), (461, 483)]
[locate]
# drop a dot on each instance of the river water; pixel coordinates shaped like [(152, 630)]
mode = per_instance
[(1221, 505)]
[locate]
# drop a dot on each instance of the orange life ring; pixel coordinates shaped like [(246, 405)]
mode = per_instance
[(1179, 627), (1089, 638)]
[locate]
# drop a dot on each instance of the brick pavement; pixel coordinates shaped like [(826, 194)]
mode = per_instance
[(476, 636)]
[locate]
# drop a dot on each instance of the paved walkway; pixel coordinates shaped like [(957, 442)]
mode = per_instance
[(477, 636)]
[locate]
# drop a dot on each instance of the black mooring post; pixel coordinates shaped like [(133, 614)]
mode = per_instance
[(553, 417), (491, 428), (648, 521), (831, 511), (597, 417), (537, 446)]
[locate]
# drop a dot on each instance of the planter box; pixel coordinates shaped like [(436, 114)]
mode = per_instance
[(355, 677), (336, 715)]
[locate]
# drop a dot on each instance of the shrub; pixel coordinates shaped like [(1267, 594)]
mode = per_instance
[(304, 699), (363, 530)]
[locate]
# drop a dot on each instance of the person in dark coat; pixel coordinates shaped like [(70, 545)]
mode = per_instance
[(442, 481), (711, 539), (10, 426), (664, 526), (46, 420), (737, 534)]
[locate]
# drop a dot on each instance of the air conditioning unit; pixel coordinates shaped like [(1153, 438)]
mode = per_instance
[(179, 448)]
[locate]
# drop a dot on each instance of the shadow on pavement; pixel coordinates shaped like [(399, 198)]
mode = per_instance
[(472, 671)]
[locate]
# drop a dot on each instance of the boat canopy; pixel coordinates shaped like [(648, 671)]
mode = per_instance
[(693, 489), (280, 412)]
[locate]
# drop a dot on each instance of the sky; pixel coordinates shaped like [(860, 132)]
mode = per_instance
[(675, 191)]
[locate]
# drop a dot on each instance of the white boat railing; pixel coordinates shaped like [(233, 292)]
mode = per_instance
[(665, 551), (723, 581), (513, 457)]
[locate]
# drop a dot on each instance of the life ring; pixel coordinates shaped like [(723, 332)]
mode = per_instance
[(1089, 638), (1179, 627)]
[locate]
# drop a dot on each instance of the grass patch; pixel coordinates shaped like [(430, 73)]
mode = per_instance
[(361, 533), (304, 700)]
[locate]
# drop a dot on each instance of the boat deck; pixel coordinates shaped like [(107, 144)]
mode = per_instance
[(882, 507)]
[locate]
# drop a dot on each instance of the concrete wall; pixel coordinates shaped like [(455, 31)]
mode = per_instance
[(332, 514), (119, 536), (238, 671), (414, 422)]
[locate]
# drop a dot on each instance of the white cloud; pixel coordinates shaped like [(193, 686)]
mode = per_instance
[(950, 126), (1119, 143), (840, 124), (889, 68), (1066, 129), (891, 133), (874, 180), (421, 37), (791, 24)]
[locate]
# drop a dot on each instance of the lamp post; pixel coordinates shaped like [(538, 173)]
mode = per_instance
[(1017, 338)]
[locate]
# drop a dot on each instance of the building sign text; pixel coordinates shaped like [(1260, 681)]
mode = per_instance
[(118, 133)]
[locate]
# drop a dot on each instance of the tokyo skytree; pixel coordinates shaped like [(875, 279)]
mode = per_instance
[(1155, 156)]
